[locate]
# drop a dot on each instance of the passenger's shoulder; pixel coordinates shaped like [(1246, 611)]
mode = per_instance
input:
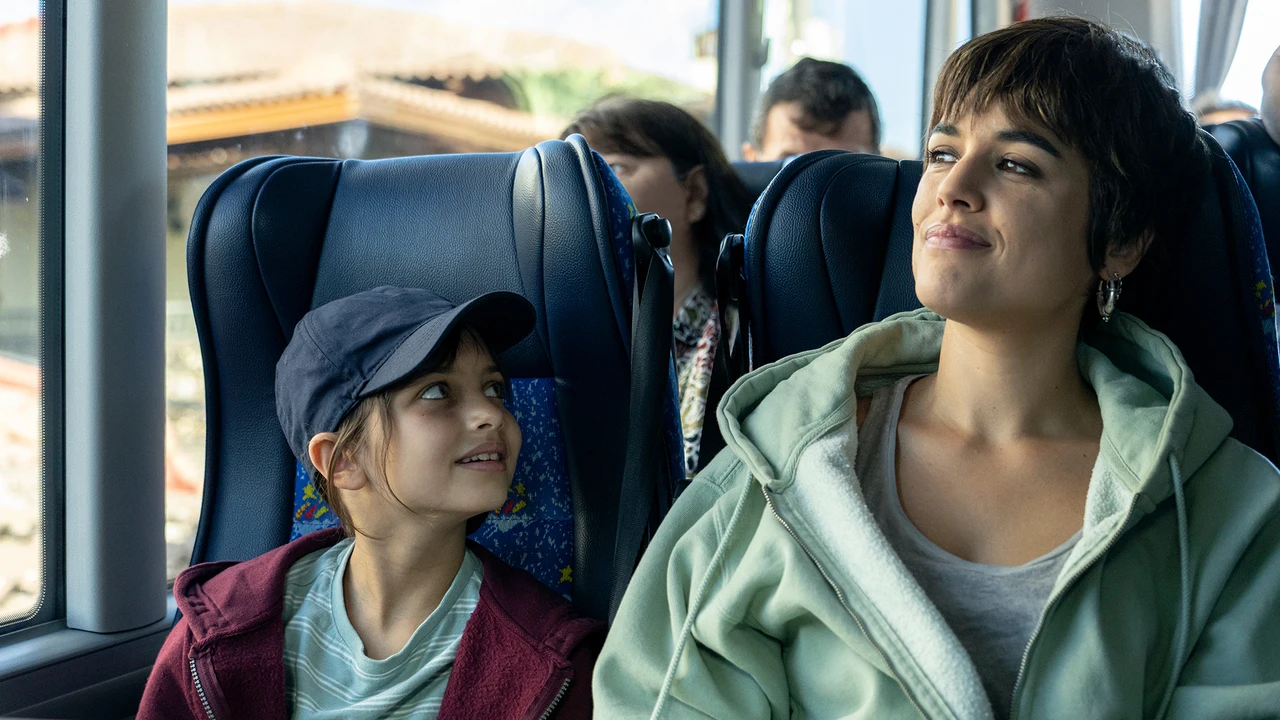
[(726, 470), (539, 612), (1240, 470), (1237, 494)]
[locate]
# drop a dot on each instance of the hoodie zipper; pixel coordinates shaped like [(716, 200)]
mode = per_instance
[(1035, 635), (200, 689), (564, 688), (840, 596)]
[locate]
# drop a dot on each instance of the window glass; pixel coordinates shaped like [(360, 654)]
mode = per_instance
[(20, 427), (382, 78), (1258, 40), (883, 41)]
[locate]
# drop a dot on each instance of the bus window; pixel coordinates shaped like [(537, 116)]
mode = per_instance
[(21, 517), (891, 63), (376, 79)]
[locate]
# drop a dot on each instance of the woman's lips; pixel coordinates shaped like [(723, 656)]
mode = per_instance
[(949, 236)]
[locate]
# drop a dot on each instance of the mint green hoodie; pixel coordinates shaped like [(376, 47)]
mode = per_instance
[(769, 590)]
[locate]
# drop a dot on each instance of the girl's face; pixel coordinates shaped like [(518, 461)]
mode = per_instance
[(454, 444), (1001, 220)]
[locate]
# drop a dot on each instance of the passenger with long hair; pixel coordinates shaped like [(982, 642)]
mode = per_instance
[(672, 165), (1001, 505)]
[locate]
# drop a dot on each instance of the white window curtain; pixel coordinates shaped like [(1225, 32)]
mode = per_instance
[(1220, 24)]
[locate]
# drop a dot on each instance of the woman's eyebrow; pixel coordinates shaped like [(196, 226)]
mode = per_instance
[(1030, 138), (945, 129)]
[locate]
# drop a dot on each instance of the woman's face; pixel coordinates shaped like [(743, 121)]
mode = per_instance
[(653, 186), (1001, 220)]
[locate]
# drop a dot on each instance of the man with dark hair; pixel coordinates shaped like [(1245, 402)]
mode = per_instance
[(814, 105)]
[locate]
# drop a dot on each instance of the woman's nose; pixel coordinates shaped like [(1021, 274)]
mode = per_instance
[(961, 188)]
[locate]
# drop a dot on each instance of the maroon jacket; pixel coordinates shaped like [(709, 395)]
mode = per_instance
[(525, 653)]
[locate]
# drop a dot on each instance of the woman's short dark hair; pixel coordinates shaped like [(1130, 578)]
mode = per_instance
[(1104, 94), (649, 128)]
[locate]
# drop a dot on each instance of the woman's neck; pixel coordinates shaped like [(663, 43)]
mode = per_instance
[(684, 258), (1007, 386), (393, 583)]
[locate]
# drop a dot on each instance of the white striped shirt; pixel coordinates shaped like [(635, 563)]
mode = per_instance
[(327, 674)]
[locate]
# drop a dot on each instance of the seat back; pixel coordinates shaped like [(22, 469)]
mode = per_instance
[(756, 176), (1257, 156), (828, 248), (274, 237)]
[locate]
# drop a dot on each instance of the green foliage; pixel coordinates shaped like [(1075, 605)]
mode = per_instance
[(563, 93)]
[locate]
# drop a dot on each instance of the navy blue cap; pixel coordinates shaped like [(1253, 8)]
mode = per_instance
[(350, 348)]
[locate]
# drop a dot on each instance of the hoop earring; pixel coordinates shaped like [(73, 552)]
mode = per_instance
[(1108, 295)]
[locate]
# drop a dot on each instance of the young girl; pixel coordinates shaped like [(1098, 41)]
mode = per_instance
[(392, 399)]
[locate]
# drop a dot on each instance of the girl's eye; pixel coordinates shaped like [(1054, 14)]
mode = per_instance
[(496, 390), (941, 156), (437, 391), (620, 168)]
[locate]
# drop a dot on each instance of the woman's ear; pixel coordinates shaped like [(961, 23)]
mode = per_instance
[(1124, 260), (345, 472), (696, 192)]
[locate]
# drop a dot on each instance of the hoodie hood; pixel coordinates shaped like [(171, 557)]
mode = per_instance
[(792, 424), (1145, 392)]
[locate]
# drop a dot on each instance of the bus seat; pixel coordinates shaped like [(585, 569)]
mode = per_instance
[(274, 237), (828, 248), (756, 175), (1257, 156)]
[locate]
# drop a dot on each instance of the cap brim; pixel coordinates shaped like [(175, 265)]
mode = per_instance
[(501, 318)]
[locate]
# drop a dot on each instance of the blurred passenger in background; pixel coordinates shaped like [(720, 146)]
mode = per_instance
[(1215, 112), (1271, 96), (814, 105), (672, 165)]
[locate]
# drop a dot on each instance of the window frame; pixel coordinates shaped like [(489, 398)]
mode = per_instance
[(51, 600)]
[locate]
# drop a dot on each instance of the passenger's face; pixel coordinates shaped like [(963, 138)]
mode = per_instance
[(1001, 220), (783, 136), (443, 421), (653, 186)]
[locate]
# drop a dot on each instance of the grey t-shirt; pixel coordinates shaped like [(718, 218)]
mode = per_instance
[(993, 609)]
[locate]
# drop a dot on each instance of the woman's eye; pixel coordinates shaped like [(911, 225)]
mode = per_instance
[(1015, 167), (438, 391), (941, 156), (496, 390), (620, 169)]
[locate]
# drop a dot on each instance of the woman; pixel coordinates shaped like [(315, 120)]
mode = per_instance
[(1005, 523), (672, 165)]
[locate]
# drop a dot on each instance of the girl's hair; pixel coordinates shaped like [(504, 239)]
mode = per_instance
[(648, 128), (355, 439), (1104, 94)]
